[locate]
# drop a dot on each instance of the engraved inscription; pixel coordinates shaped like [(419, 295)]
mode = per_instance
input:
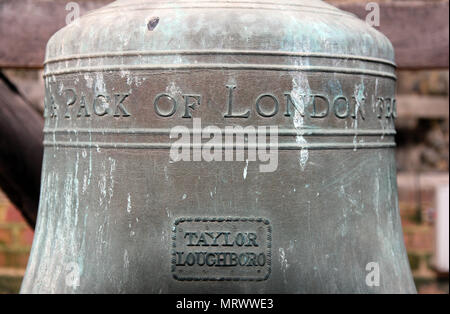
[(314, 105), (221, 249), (78, 107)]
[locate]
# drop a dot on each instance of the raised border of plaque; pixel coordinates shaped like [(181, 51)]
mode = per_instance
[(221, 249)]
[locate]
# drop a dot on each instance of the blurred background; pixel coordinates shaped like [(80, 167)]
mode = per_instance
[(419, 31)]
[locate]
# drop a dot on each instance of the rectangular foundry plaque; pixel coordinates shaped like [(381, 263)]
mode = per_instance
[(231, 249)]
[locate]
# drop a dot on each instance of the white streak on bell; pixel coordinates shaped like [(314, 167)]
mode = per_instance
[(244, 174)]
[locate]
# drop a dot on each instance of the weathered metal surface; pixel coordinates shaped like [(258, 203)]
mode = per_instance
[(118, 211)]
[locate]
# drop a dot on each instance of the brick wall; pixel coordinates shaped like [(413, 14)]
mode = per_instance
[(15, 236), (417, 202)]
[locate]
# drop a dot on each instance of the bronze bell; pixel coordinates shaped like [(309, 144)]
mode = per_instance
[(216, 147)]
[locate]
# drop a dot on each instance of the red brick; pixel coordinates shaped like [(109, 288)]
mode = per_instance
[(13, 259), (406, 239), (2, 259), (427, 196), (431, 288), (419, 240), (5, 236), (424, 241), (21, 260), (13, 215), (407, 195), (2, 212), (26, 237)]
